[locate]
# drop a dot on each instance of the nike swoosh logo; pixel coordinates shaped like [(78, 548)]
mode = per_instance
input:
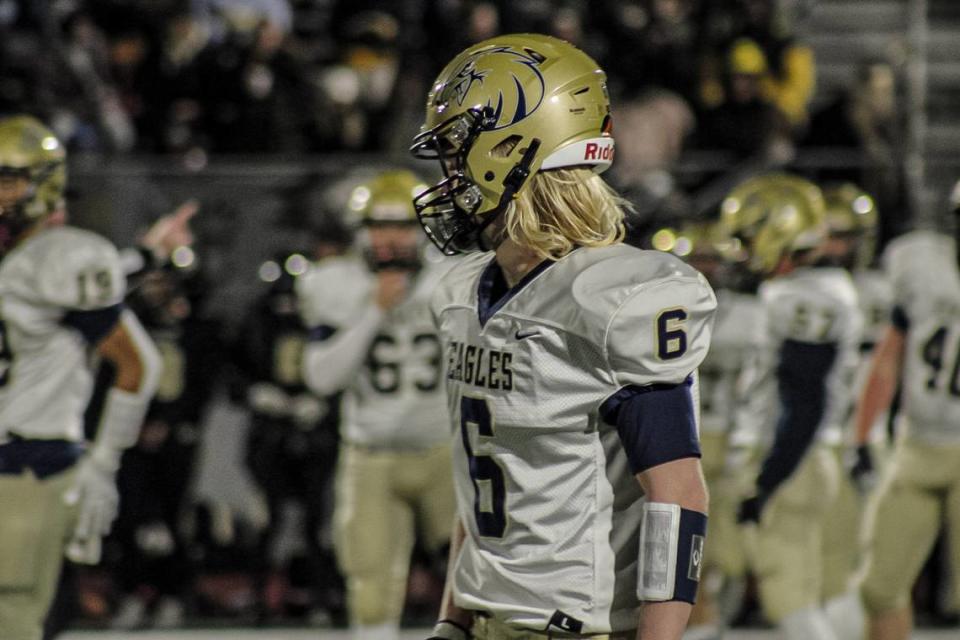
[(529, 333)]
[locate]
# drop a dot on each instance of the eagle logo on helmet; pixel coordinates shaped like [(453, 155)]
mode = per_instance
[(510, 105), (464, 79)]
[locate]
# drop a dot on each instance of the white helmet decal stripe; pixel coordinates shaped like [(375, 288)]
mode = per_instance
[(597, 152)]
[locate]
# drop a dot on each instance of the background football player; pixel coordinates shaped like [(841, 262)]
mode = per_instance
[(809, 342), (570, 361), (61, 291), (921, 488), (374, 337), (291, 445), (851, 218)]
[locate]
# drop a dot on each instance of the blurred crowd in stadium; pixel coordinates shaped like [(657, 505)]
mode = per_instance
[(198, 79)]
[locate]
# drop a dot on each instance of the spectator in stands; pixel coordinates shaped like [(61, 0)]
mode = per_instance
[(865, 120), (360, 85), (86, 110), (652, 43), (745, 122), (788, 80), (251, 90)]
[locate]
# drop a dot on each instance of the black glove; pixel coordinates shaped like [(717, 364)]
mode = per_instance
[(449, 630), (862, 471), (750, 509)]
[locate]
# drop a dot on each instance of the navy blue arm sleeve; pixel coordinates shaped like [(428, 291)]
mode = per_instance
[(656, 423), (801, 381), (900, 319), (321, 332), (95, 324)]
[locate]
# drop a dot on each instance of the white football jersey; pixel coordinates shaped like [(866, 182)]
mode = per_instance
[(45, 377), (551, 508), (923, 268), (815, 305), (875, 293), (738, 322), (397, 397)]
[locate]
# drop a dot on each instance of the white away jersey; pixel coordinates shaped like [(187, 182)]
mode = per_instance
[(738, 321), (551, 508), (815, 305), (875, 294), (45, 380), (397, 397), (923, 268)]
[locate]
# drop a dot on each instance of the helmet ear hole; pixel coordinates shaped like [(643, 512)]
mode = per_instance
[(506, 146)]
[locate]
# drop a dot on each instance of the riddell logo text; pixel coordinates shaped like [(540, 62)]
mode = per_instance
[(594, 151)]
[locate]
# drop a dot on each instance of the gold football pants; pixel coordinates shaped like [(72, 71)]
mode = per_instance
[(35, 524), (383, 498)]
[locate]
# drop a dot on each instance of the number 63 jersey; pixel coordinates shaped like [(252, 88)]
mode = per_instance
[(50, 286), (395, 397), (551, 508), (923, 269)]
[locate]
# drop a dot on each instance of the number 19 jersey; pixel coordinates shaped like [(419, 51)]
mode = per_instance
[(551, 509), (45, 381)]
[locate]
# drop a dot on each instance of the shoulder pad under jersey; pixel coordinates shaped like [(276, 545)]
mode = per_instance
[(74, 268), (334, 291)]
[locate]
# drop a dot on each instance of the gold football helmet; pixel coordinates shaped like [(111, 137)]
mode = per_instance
[(852, 219), (850, 209), (387, 198), (500, 111), (383, 206), (32, 170), (774, 215)]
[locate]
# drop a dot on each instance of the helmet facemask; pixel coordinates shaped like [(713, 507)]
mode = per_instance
[(448, 210)]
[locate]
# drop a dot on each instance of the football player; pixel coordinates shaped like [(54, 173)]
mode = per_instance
[(60, 297), (720, 259), (571, 361), (373, 336), (808, 348), (921, 488), (851, 217)]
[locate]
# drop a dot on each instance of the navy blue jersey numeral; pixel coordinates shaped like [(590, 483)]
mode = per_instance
[(671, 338), (6, 355), (933, 353), (492, 518), (387, 371)]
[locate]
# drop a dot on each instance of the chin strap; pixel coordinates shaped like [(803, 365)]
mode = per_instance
[(514, 181)]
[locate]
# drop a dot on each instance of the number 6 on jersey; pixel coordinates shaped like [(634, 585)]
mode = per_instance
[(671, 335), (487, 476)]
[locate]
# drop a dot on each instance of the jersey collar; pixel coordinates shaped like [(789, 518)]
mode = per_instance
[(492, 290)]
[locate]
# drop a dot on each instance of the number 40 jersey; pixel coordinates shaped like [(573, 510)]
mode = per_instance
[(51, 286), (923, 269), (551, 508)]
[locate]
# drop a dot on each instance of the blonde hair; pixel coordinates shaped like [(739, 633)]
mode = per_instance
[(565, 208)]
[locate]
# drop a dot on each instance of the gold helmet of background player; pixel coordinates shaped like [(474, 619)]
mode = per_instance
[(387, 198), (774, 215), (852, 213), (30, 150), (383, 206), (500, 111), (850, 209)]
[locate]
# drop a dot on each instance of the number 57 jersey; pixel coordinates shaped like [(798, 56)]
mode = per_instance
[(550, 505)]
